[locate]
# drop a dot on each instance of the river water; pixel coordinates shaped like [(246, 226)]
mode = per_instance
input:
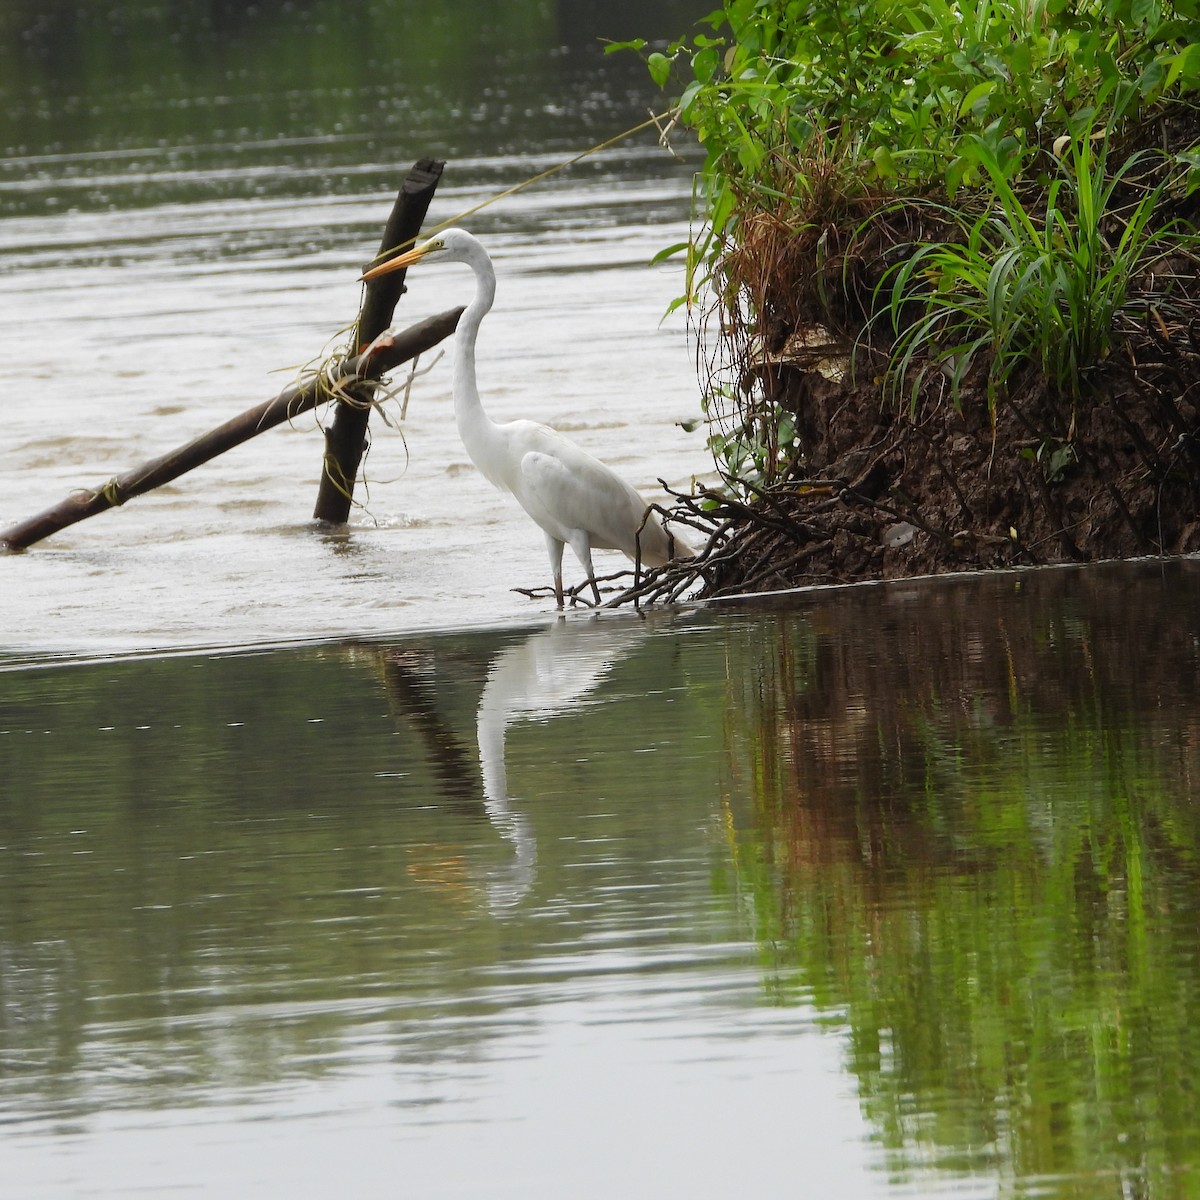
[(152, 292), (331, 865)]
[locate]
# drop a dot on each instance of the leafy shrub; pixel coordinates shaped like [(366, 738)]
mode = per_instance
[(1042, 285), (1013, 123), (899, 90)]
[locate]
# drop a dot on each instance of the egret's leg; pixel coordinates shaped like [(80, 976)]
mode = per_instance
[(555, 549), (582, 545)]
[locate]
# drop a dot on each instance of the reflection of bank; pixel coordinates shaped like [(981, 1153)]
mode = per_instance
[(542, 677), (966, 824)]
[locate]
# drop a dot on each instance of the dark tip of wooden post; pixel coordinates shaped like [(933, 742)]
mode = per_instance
[(346, 435)]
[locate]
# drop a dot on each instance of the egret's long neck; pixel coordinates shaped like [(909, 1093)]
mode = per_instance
[(473, 423)]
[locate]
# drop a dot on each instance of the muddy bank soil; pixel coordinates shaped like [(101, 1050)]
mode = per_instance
[(876, 493)]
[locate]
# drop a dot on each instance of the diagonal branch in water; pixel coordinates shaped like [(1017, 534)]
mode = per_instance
[(383, 355)]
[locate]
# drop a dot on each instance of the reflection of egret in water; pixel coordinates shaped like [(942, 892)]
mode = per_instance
[(541, 677)]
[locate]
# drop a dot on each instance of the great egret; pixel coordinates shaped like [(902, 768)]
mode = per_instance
[(575, 498)]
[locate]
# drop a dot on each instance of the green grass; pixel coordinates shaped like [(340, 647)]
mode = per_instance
[(1032, 284), (1013, 125)]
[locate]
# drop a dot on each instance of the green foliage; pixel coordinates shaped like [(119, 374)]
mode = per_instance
[(1016, 120), (1025, 285), (900, 90), (755, 452)]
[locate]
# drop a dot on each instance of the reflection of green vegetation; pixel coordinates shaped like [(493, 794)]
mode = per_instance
[(132, 104), (164, 72), (991, 871)]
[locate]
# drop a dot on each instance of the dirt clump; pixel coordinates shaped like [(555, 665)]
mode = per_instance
[(878, 494)]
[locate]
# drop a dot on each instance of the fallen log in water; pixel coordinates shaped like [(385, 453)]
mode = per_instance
[(383, 356)]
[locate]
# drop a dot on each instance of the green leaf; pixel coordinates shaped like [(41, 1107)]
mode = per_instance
[(1152, 77), (1142, 12), (956, 172), (669, 251), (704, 64), (1177, 64), (687, 100), (612, 47), (979, 93)]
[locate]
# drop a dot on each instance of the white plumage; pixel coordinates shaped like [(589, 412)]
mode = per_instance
[(576, 499)]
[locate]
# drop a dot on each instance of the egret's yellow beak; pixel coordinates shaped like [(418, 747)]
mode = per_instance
[(400, 261)]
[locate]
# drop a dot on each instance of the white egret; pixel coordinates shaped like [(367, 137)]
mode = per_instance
[(573, 497)]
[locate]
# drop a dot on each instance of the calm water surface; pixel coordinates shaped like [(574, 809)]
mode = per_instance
[(418, 890), (892, 893)]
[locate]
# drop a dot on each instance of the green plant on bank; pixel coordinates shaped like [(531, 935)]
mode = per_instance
[(815, 118), (755, 450), (1037, 285), (899, 92)]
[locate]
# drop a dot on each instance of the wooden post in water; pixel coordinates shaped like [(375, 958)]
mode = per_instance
[(386, 355), (346, 436)]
